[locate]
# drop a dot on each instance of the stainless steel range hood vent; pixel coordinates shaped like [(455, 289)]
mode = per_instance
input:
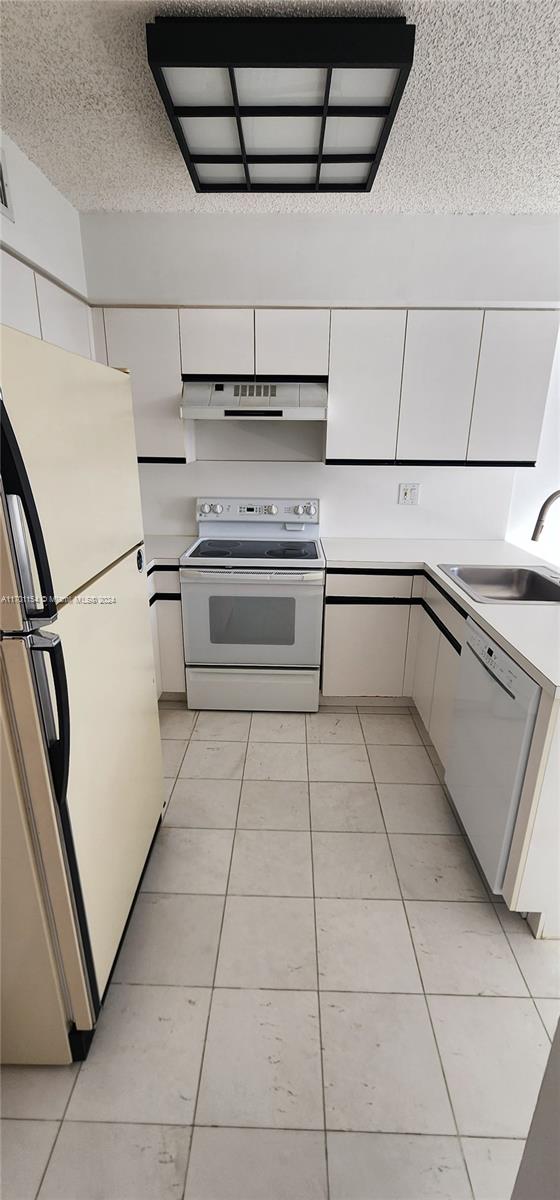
[(254, 399)]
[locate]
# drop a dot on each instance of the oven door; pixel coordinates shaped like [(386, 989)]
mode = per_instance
[(252, 618)]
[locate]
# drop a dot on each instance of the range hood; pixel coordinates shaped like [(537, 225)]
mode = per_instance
[(254, 399)]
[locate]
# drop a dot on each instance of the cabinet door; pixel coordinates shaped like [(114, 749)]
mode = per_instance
[(439, 375), (217, 341), (18, 305), (65, 320), (146, 340), (516, 356), (425, 667), (365, 368), (364, 649), (445, 685), (292, 341)]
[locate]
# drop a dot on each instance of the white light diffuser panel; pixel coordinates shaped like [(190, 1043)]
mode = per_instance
[(358, 85), (211, 135), (281, 135), (220, 172), (352, 135), (271, 173), (280, 85), (198, 85), (355, 173)]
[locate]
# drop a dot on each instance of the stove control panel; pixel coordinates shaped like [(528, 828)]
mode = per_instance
[(209, 508)]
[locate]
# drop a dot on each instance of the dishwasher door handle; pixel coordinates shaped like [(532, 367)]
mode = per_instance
[(491, 673)]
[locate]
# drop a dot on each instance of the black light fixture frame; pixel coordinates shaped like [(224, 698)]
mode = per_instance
[(230, 42)]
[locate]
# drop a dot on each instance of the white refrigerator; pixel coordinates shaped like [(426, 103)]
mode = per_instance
[(80, 754)]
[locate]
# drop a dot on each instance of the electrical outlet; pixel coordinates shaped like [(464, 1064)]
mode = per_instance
[(408, 493)]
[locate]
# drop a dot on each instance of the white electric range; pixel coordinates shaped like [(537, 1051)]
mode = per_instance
[(252, 598)]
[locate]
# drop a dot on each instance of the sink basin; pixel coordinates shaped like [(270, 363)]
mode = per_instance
[(503, 585)]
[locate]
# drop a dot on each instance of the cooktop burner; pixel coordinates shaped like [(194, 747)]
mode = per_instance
[(252, 548)]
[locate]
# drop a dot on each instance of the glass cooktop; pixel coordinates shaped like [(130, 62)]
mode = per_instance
[(252, 548)]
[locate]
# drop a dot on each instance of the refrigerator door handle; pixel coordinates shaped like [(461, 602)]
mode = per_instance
[(22, 511), (57, 732)]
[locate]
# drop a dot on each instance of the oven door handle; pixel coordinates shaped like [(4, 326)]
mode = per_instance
[(223, 575)]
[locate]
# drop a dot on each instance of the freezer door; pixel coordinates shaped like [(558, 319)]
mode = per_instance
[(27, 588), (72, 419), (115, 785)]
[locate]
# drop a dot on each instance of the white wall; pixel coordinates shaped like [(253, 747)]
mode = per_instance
[(362, 501), (531, 487), (398, 260), (46, 229)]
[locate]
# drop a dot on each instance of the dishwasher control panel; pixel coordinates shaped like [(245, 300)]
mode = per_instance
[(494, 658)]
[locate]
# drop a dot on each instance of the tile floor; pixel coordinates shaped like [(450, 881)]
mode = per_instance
[(317, 999)]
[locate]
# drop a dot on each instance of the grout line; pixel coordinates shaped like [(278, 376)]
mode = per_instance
[(522, 973), (213, 984), (319, 1015), (62, 1119), (325, 991), (490, 1137)]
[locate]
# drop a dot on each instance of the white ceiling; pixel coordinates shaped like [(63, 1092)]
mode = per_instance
[(478, 129)]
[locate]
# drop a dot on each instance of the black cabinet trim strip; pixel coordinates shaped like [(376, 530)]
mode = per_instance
[(164, 596), (163, 567), (442, 628), (408, 572), (426, 462), (251, 377), (146, 458), (451, 599)]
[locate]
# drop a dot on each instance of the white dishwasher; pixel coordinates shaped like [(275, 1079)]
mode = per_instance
[(492, 725)]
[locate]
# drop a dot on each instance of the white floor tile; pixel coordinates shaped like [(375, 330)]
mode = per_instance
[(401, 764), (26, 1146), (494, 1053), (365, 946), (343, 764), (393, 1166), (416, 808), (277, 727), (337, 728), (172, 751), (223, 726), (176, 722), (262, 1061), (213, 760), (273, 804), (257, 1164), (36, 1093), (204, 804), (435, 868), (345, 808), (171, 940), (462, 949), (382, 1071), (144, 1061), (387, 730), (267, 942), (189, 860), (493, 1164), (273, 760), (117, 1162), (550, 1013), (539, 958), (271, 863), (354, 866)]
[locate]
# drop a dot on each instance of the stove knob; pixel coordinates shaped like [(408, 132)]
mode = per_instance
[(205, 508), (299, 510), (272, 509), (217, 508), (311, 509)]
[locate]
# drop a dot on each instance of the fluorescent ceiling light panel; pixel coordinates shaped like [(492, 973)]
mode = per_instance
[(267, 103)]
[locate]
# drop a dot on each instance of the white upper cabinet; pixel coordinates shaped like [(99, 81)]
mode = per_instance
[(439, 374), (65, 320), (364, 382), (146, 340), (217, 341), (292, 341), (18, 306), (513, 378)]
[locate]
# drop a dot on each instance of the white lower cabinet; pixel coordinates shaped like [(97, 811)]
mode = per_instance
[(364, 649), (445, 686), (170, 645), (427, 646)]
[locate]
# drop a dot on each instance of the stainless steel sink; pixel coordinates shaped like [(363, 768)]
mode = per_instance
[(503, 585)]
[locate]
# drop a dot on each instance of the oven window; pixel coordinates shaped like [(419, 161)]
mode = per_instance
[(252, 620)]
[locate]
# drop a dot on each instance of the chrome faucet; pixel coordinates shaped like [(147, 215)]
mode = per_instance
[(542, 515)]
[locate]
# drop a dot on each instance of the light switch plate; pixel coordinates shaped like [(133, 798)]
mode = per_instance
[(408, 493)]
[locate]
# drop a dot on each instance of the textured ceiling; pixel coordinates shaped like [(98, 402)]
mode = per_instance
[(478, 129)]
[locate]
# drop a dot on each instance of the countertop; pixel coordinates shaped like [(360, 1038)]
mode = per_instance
[(529, 632), (163, 549)]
